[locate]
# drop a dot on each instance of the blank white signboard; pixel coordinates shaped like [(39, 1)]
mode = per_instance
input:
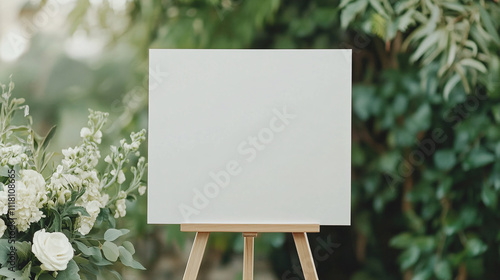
[(249, 137)]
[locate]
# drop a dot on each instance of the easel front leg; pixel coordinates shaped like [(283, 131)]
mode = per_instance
[(305, 255), (248, 255), (194, 262)]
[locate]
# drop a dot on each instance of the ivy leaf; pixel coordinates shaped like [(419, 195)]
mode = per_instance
[(401, 241), (475, 247), (478, 158), (409, 257), (489, 197), (443, 270), (445, 159), (362, 101)]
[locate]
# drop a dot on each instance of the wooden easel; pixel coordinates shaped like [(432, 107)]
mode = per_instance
[(249, 233)]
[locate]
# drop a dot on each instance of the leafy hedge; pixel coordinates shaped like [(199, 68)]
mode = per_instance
[(426, 121)]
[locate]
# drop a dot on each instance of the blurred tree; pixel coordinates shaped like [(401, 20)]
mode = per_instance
[(426, 116)]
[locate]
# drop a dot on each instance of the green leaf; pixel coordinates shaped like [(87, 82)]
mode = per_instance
[(4, 271), (363, 100), (95, 254), (48, 137), (71, 272), (56, 225), (489, 25), (445, 159), (110, 251), (427, 44), (421, 119), (409, 257), (443, 270), (83, 248), (26, 272), (478, 158), (474, 64), (351, 11), (401, 241), (475, 247), (489, 197), (75, 210), (496, 176), (112, 234), (378, 7), (425, 243), (116, 274), (450, 84), (324, 17), (129, 246), (23, 250), (400, 104), (126, 259)]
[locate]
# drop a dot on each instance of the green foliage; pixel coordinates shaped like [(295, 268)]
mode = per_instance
[(426, 118), (455, 35)]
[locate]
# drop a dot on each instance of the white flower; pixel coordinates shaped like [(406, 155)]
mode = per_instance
[(26, 110), (31, 196), (86, 223), (85, 132), (108, 159), (97, 137), (121, 177), (53, 250), (121, 207), (142, 190), (3, 227), (33, 179), (13, 155), (4, 203)]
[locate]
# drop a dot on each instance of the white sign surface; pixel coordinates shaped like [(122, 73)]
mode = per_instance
[(249, 136)]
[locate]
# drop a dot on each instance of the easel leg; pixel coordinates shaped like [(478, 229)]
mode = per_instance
[(248, 256), (194, 262), (305, 255)]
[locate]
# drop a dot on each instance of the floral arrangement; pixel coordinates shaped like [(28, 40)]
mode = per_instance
[(60, 223)]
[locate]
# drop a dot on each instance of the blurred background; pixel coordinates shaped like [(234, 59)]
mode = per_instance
[(426, 119)]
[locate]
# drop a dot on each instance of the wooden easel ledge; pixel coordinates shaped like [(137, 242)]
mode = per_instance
[(250, 228)]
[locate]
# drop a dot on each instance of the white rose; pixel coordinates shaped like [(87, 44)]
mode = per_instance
[(52, 249)]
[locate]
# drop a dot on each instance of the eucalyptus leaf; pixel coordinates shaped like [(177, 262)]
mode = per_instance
[(110, 251), (112, 234), (127, 259)]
